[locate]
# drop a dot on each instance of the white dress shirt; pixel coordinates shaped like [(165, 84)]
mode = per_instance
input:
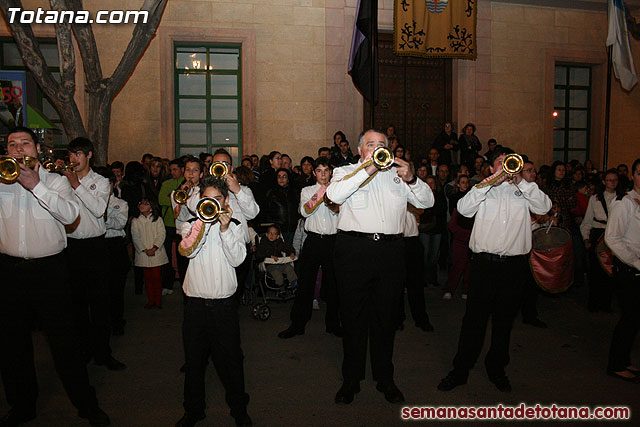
[(596, 211), (503, 222), (410, 225), (623, 229), (117, 216), (92, 196), (145, 234), (211, 272), (32, 222), (379, 206), (243, 205), (322, 220)]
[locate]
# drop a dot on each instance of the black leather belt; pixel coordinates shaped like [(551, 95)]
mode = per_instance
[(320, 236), (372, 236), (495, 257)]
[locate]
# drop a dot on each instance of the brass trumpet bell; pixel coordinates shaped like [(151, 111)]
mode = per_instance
[(180, 196), (208, 209), (218, 169), (382, 158), (511, 165), (10, 166)]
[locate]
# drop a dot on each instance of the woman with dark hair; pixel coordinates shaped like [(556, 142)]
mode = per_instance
[(335, 149), (447, 144), (306, 177), (268, 174), (469, 145), (282, 205), (563, 197), (623, 237)]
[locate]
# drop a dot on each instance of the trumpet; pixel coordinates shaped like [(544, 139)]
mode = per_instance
[(208, 209), (382, 158), (51, 166), (10, 166), (218, 169), (511, 165), (180, 196)]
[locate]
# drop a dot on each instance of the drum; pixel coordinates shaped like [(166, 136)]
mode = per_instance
[(551, 259), (605, 256)]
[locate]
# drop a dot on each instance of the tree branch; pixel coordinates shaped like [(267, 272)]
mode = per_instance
[(142, 34), (88, 51), (30, 51), (66, 53)]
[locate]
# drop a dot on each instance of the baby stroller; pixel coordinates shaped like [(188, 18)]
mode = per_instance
[(265, 288)]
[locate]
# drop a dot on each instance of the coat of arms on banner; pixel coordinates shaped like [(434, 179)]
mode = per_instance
[(437, 6), (435, 28)]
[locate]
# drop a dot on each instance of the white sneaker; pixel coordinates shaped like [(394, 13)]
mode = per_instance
[(316, 304), (464, 296), (447, 295), (166, 292)]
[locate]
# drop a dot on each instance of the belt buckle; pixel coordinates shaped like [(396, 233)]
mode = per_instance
[(376, 237)]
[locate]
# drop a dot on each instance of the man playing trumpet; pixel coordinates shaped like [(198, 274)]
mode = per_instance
[(370, 224), (33, 213), (500, 241)]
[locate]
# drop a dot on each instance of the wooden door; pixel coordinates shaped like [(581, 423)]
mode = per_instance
[(414, 96)]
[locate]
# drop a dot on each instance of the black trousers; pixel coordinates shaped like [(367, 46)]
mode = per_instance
[(316, 252), (495, 290), (119, 265), (39, 287), (168, 273), (88, 264), (211, 327), (370, 277), (624, 334), (600, 284), (414, 259), (530, 293)]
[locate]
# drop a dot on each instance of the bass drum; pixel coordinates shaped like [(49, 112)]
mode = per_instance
[(551, 259)]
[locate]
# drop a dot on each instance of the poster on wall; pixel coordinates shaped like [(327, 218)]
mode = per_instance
[(13, 109)]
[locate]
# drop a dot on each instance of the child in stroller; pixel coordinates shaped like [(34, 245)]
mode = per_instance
[(282, 253)]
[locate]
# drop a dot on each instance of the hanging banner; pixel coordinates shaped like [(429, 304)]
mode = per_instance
[(435, 28)]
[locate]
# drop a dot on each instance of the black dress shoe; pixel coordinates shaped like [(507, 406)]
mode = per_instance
[(502, 383), (290, 332), (189, 419), (391, 392), (451, 381), (425, 326), (635, 379), (345, 395), (535, 322), (335, 331), (95, 415), (16, 417), (111, 363)]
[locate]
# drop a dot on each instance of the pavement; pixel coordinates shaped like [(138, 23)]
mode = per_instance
[(293, 382)]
